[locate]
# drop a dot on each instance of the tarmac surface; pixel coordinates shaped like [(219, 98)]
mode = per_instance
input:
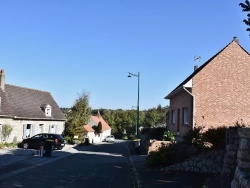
[(17, 160)]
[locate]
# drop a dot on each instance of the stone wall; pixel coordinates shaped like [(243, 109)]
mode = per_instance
[(18, 130), (230, 157), (234, 161), (210, 163), (242, 173)]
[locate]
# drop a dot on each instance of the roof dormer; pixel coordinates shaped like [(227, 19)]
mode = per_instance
[(46, 108)]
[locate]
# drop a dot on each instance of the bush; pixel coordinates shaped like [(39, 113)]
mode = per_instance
[(6, 131), (168, 136), (12, 145), (215, 136), (68, 140), (170, 154), (195, 142), (160, 158), (193, 136), (157, 133)]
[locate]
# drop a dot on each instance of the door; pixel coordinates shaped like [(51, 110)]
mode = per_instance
[(36, 140)]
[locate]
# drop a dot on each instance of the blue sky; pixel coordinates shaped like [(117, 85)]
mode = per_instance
[(69, 46)]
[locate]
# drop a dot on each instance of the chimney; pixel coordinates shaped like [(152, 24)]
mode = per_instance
[(236, 40), (196, 67), (98, 114), (2, 80)]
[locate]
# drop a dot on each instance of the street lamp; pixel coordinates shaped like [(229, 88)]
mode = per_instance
[(137, 113)]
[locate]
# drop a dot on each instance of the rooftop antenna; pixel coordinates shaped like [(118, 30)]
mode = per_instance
[(196, 59)]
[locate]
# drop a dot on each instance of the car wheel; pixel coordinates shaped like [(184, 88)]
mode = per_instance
[(25, 145)]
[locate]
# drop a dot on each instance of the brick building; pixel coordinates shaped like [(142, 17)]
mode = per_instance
[(215, 94)]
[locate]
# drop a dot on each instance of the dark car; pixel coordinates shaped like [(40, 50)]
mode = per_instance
[(39, 139)]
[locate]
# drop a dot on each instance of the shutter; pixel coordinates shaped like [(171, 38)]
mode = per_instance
[(33, 129), (49, 128), (56, 129), (24, 130)]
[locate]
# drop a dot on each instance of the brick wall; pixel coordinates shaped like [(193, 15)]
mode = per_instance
[(222, 89), (183, 99)]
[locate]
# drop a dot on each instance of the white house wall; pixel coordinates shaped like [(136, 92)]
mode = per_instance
[(18, 131)]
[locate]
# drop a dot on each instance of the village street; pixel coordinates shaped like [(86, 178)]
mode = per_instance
[(100, 165), (105, 165)]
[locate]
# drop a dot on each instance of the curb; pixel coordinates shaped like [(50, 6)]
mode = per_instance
[(138, 182)]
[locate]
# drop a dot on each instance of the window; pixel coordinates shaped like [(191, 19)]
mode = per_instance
[(41, 128), (46, 108), (28, 130), (185, 116), (173, 117), (48, 111)]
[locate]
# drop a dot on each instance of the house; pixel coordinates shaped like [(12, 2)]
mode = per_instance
[(90, 132), (215, 94), (93, 124), (28, 111)]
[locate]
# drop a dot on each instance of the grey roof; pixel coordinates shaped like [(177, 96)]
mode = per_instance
[(26, 103)]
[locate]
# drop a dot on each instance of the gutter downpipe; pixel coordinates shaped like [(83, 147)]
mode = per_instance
[(193, 105)]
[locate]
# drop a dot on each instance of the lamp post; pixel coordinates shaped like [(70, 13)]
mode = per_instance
[(137, 113)]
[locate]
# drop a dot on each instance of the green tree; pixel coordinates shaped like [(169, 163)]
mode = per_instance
[(129, 123), (6, 131), (155, 116), (78, 116), (118, 119), (99, 128), (246, 8)]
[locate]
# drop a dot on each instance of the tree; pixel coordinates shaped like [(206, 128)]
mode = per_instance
[(78, 116), (99, 128), (6, 130), (155, 116), (246, 8)]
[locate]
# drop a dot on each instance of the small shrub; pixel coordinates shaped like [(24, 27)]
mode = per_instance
[(168, 136), (193, 136), (9, 145), (2, 145), (170, 154), (159, 158), (6, 130), (68, 140)]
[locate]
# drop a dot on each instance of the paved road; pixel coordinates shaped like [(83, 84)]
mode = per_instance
[(105, 165)]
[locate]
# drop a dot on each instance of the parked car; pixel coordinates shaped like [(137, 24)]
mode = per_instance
[(110, 138), (36, 140)]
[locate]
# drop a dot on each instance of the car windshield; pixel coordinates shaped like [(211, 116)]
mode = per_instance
[(58, 136)]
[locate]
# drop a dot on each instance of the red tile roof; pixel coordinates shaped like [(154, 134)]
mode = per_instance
[(98, 119), (88, 128)]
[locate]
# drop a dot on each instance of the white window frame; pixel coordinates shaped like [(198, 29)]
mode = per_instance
[(48, 111), (41, 128)]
